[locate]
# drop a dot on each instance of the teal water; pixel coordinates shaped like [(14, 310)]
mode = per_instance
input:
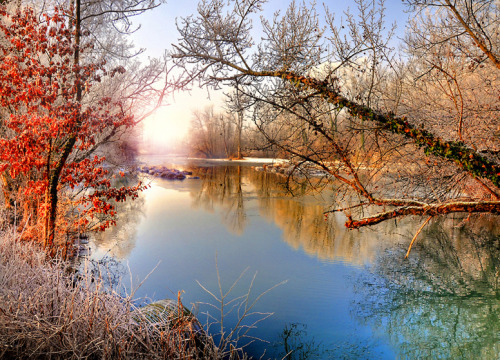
[(348, 294)]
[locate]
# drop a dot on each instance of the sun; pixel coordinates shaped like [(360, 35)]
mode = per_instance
[(168, 124)]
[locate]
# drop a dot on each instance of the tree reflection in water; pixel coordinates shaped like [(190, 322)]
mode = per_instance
[(118, 241), (294, 344), (233, 189), (444, 301), (222, 186), (300, 217)]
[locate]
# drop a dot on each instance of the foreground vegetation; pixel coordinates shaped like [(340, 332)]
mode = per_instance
[(46, 311)]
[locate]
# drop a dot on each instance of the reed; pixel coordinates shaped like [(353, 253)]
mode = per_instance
[(46, 313)]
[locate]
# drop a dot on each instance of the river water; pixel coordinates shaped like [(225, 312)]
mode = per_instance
[(346, 294)]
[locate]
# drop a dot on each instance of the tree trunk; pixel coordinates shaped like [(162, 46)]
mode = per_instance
[(6, 191), (491, 207), (53, 185), (240, 126)]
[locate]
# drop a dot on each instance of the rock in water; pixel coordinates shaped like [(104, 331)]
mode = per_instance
[(171, 315), (162, 311), (165, 173)]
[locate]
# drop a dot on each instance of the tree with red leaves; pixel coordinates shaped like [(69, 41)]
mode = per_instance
[(47, 124)]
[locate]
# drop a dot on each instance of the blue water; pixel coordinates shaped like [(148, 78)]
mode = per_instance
[(339, 286)]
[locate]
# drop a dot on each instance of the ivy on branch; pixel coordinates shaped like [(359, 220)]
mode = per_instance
[(456, 151)]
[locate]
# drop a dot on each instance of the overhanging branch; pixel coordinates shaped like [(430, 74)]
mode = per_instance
[(491, 207), (466, 158)]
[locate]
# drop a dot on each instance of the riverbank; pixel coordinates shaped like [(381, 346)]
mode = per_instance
[(162, 159), (279, 166), (49, 311)]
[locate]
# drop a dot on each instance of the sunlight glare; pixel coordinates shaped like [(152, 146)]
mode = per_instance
[(168, 124)]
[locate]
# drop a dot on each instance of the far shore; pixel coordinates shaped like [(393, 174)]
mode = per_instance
[(207, 162)]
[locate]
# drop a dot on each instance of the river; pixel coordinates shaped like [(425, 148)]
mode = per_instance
[(346, 294)]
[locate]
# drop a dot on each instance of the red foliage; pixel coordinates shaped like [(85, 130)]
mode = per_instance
[(42, 114)]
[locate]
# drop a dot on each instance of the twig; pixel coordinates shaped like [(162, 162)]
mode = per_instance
[(416, 234)]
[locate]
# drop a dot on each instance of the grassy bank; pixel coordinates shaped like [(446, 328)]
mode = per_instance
[(46, 314)]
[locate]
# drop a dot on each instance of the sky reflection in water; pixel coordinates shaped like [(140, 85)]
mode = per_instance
[(349, 293)]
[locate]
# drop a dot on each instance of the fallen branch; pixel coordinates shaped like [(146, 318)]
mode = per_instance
[(492, 207)]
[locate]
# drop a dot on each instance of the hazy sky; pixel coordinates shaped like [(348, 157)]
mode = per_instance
[(158, 32)]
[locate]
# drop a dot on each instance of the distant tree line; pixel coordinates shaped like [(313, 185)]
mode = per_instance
[(216, 135)]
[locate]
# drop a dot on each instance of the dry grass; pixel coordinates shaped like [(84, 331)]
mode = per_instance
[(46, 314)]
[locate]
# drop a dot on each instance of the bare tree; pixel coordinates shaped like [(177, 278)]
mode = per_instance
[(237, 103), (212, 134), (470, 27), (322, 93)]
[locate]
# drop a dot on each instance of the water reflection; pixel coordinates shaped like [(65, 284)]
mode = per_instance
[(119, 240), (230, 188), (295, 344), (222, 186), (300, 218), (445, 301)]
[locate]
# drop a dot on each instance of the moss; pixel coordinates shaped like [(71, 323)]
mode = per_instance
[(455, 151)]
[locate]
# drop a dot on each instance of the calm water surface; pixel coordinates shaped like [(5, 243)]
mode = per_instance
[(348, 294)]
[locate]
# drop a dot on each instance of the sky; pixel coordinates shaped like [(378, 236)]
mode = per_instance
[(158, 32)]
